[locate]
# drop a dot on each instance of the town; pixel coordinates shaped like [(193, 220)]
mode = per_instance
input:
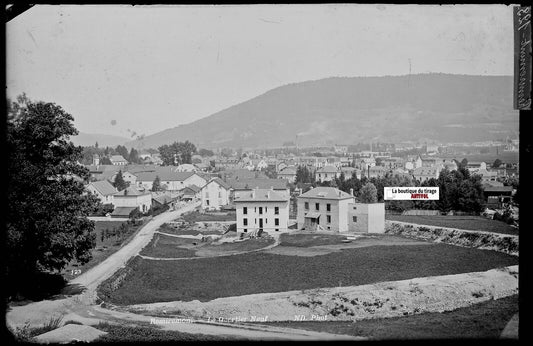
[(264, 173), (225, 180)]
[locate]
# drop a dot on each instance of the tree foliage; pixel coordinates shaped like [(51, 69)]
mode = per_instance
[(177, 153), (304, 175), (119, 182), (46, 224), (156, 185), (368, 193)]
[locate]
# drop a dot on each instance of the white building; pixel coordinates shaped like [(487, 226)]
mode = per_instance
[(215, 194), (103, 190), (173, 181), (327, 173), (324, 208), (131, 197), (288, 173), (118, 160), (366, 217), (263, 210)]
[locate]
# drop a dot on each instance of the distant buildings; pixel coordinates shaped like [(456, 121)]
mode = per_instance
[(327, 173), (133, 198), (103, 190), (215, 194), (118, 160)]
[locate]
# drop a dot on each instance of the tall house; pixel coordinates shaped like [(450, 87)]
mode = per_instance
[(263, 210), (324, 208)]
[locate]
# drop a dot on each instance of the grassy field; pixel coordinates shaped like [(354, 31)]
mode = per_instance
[(246, 245), (174, 247), (169, 247), (480, 321), (187, 230), (196, 216), (474, 223), (140, 334), (209, 278), (306, 240)]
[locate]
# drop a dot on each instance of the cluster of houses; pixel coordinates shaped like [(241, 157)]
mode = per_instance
[(261, 203)]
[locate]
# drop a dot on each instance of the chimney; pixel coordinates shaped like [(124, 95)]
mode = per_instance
[(351, 192), (340, 193)]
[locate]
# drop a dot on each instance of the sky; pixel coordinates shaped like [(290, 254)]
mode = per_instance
[(131, 70)]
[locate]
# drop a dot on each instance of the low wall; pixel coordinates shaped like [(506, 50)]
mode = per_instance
[(505, 243)]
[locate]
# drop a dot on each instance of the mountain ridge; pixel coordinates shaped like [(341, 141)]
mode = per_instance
[(358, 109)]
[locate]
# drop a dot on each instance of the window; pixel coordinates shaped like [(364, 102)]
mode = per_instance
[(245, 230), (206, 202), (266, 210), (276, 210), (260, 210), (219, 194), (245, 222), (245, 210), (306, 206), (277, 229), (276, 222), (354, 218), (317, 206), (328, 218), (328, 207)]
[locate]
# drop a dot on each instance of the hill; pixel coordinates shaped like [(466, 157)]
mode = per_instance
[(87, 139), (348, 110)]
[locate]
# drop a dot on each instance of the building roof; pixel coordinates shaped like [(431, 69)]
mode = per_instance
[(164, 175), (326, 193), (220, 182), (261, 195), (425, 171), (287, 171), (104, 187), (248, 184), (117, 158), (498, 188), (327, 169), (164, 198), (131, 191), (123, 211)]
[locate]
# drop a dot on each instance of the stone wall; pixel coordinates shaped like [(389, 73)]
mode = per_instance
[(476, 239)]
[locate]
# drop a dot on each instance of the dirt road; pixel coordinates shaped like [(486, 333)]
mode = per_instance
[(82, 307)]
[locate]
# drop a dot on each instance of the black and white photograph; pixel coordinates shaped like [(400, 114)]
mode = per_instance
[(264, 172)]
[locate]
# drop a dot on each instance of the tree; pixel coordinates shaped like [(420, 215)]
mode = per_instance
[(156, 185), (463, 163), (205, 153), (177, 153), (497, 163), (133, 156), (122, 150), (105, 161), (119, 182), (368, 193), (47, 225), (96, 145)]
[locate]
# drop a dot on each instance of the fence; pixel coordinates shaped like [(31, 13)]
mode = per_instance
[(421, 212)]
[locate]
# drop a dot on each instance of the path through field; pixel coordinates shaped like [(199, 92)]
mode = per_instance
[(83, 307)]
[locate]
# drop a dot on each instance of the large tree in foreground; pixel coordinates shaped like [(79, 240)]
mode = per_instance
[(47, 225)]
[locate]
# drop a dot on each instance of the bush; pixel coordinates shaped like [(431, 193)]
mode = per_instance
[(135, 214)]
